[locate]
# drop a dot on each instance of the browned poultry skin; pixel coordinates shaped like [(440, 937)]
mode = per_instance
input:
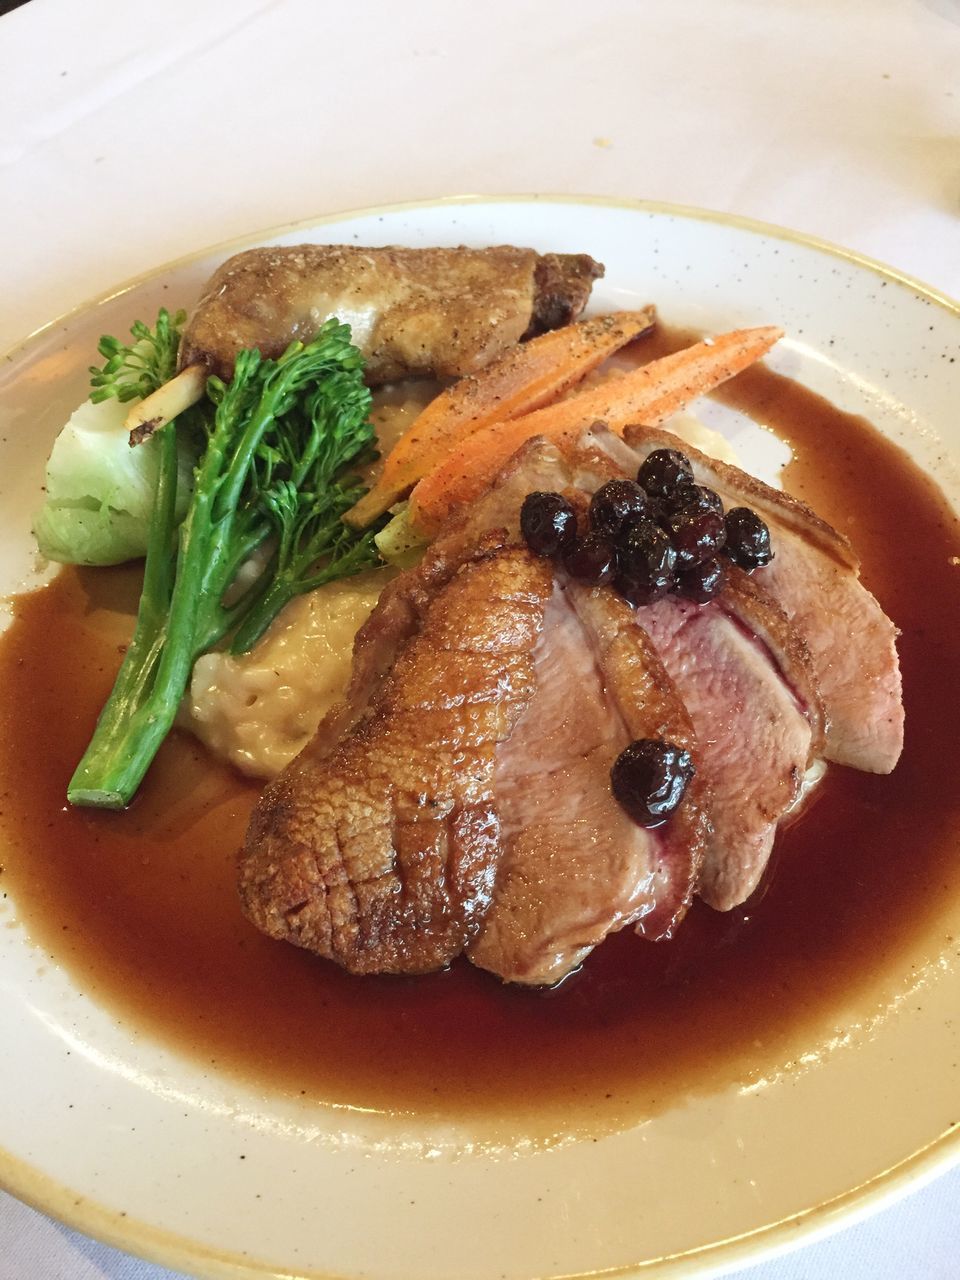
[(437, 312), (381, 854), (491, 524)]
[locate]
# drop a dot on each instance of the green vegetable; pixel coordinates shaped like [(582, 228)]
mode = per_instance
[(99, 491), (133, 372), (398, 542), (279, 437)]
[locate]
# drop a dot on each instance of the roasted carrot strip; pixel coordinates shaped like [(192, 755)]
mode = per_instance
[(647, 396), (525, 378)]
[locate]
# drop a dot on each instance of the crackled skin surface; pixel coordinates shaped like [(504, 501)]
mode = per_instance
[(382, 853), (435, 312)]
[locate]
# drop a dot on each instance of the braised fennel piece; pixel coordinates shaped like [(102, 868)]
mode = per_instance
[(98, 492), (274, 473)]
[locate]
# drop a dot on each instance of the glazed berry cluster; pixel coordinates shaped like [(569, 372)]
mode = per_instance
[(658, 534)]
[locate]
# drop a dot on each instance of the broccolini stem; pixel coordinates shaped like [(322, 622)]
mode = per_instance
[(97, 778), (129, 733), (132, 726)]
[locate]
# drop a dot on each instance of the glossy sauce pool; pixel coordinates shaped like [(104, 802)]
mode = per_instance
[(141, 906)]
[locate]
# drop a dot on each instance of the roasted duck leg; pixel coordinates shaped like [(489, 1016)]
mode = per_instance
[(436, 312), (412, 312)]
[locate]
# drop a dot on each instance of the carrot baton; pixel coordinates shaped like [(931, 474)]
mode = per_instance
[(648, 396), (525, 378)]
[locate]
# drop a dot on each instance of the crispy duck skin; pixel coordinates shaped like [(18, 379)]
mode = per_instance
[(491, 524), (281, 868), (382, 853), (436, 312)]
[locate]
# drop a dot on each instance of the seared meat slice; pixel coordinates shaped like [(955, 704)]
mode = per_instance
[(813, 577), (441, 312), (749, 604), (478, 772), (574, 866), (747, 679), (380, 851), (755, 735)]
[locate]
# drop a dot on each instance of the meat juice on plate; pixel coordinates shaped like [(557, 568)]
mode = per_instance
[(857, 875)]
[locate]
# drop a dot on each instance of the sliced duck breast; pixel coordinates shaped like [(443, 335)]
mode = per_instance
[(753, 734), (813, 577), (746, 677), (575, 867)]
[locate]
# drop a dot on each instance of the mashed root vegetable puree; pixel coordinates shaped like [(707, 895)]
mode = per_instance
[(259, 710)]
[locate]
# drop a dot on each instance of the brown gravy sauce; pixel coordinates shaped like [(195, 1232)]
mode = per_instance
[(141, 906)]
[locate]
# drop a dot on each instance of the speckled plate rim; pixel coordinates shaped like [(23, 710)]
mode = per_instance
[(182, 1254), (36, 1189)]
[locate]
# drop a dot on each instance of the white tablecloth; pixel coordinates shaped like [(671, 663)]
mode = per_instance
[(132, 134)]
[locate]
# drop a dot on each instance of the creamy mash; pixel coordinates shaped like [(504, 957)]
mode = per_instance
[(259, 710)]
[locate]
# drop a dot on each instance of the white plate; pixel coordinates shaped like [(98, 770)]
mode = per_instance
[(116, 1134)]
